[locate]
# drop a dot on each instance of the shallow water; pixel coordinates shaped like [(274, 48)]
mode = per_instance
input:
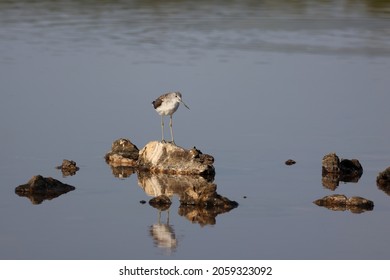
[(265, 80)]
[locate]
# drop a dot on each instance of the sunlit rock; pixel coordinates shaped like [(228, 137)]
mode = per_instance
[(330, 163), (39, 189), (158, 157), (68, 167), (339, 202), (123, 153), (383, 180)]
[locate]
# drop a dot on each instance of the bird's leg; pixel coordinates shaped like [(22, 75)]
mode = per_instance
[(170, 125), (162, 129)]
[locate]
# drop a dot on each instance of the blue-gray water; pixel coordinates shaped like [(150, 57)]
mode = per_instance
[(265, 80)]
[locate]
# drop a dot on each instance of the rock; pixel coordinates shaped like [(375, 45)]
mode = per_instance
[(206, 197), (351, 170), (39, 189), (383, 180), (123, 153), (339, 202), (334, 171), (330, 163), (290, 162), (68, 167), (158, 157), (161, 202)]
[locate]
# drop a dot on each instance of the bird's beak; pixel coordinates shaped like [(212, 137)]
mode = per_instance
[(184, 104)]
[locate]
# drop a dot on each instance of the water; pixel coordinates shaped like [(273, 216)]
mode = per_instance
[(265, 80)]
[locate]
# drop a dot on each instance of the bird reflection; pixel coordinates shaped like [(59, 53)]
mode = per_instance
[(164, 235)]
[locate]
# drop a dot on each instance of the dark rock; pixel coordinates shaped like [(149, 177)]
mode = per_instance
[(339, 202), (158, 157), (334, 171), (161, 202), (290, 162), (123, 153), (351, 170), (68, 167), (383, 180), (39, 189), (142, 202)]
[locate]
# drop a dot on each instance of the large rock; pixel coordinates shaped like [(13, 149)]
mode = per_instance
[(158, 157), (339, 202), (123, 153), (39, 189)]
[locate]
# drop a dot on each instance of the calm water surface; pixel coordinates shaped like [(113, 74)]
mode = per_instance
[(265, 80)]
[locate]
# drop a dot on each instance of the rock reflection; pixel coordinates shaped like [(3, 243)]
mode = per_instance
[(163, 235), (199, 215), (199, 201), (122, 172), (168, 184)]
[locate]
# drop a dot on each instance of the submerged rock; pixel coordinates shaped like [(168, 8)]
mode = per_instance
[(123, 153), (158, 157), (339, 202), (68, 167), (383, 180), (335, 170), (39, 189)]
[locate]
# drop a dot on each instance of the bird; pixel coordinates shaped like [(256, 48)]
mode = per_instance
[(165, 105)]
